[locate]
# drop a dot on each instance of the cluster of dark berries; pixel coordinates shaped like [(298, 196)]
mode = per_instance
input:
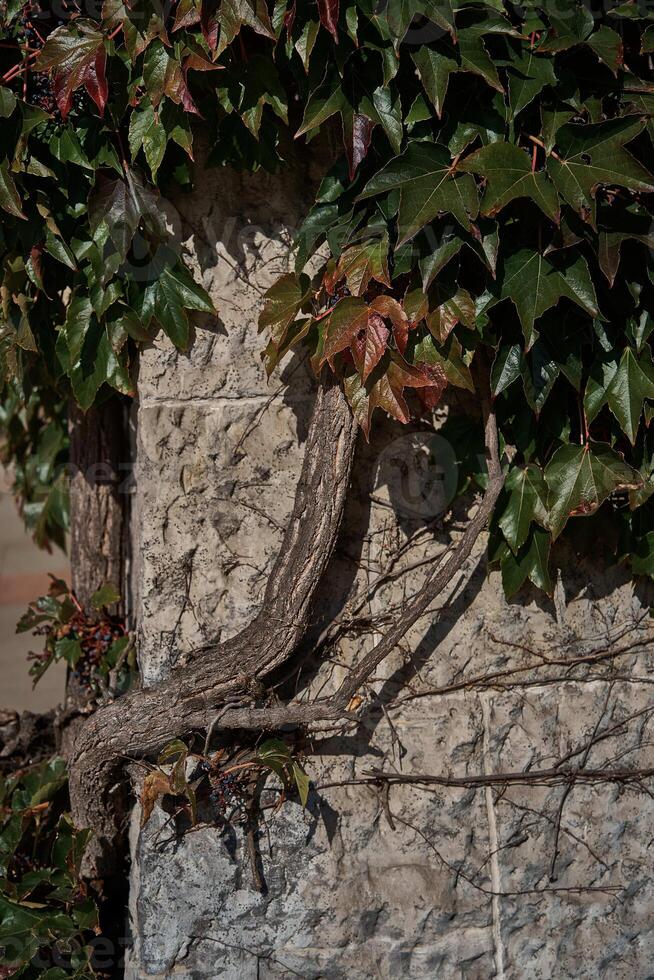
[(224, 791), (40, 93), (95, 638)]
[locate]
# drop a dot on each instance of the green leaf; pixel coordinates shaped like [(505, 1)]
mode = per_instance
[(302, 782), (580, 478), (530, 73), (8, 102), (531, 562), (327, 100), (235, 14), (9, 197), (607, 45), (535, 283), (506, 367), (147, 131), (508, 172), (175, 293), (593, 156), (526, 503), (105, 596), (629, 387), (434, 70), (282, 304), (68, 650), (428, 187)]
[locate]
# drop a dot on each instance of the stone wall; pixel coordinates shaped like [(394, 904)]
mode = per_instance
[(454, 882)]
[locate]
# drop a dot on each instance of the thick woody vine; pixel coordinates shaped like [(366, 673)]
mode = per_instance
[(489, 227)]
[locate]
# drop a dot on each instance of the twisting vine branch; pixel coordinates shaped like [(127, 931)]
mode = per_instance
[(227, 677)]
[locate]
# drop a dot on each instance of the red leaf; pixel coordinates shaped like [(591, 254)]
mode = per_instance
[(369, 345), (209, 22), (95, 80), (289, 17), (348, 317), (328, 13), (391, 309)]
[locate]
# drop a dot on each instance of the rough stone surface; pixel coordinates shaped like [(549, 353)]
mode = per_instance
[(463, 886)]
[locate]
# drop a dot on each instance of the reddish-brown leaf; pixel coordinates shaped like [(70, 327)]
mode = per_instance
[(95, 80), (391, 310), (369, 345), (289, 18), (209, 22), (155, 785), (186, 14), (360, 263), (348, 317), (328, 13)]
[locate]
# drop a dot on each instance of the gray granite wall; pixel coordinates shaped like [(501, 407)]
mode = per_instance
[(450, 882)]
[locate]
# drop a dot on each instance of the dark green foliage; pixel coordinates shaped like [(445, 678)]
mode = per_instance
[(47, 919), (495, 192)]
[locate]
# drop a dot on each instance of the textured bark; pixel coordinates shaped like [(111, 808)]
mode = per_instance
[(99, 455), (99, 458), (141, 722)]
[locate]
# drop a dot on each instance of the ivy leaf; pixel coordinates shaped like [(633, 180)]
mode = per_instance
[(592, 156), (117, 207), (530, 74), (175, 294), (539, 370), (508, 171), (9, 197), (369, 345), (235, 14), (458, 308), (86, 355), (282, 304), (302, 782), (328, 14), (535, 283), (531, 562), (506, 367), (621, 225), (434, 70), (141, 22), (359, 264), (8, 102), (323, 103), (580, 478), (568, 27), (78, 58), (163, 76), (390, 309), (449, 360), (401, 13), (146, 130), (106, 595), (423, 175), (628, 389), (527, 492), (607, 45), (357, 133), (348, 317)]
